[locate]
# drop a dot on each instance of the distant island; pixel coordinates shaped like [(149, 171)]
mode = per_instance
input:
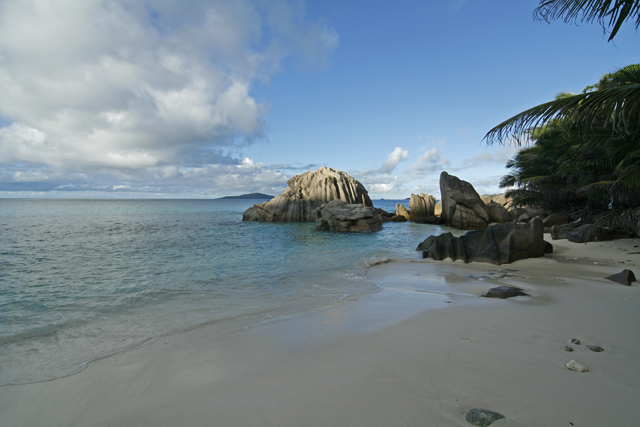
[(249, 196)]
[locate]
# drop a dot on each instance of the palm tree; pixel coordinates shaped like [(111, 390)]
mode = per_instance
[(604, 115), (613, 11)]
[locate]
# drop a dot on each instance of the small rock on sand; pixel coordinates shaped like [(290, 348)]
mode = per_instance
[(575, 341), (504, 292), (625, 277), (595, 348), (482, 417), (568, 348), (575, 366)]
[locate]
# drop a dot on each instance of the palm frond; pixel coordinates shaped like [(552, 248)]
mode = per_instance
[(618, 105), (608, 13)]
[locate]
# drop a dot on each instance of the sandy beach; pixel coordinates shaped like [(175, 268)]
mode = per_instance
[(421, 352)]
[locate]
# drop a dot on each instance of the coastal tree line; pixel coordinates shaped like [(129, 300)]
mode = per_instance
[(581, 151)]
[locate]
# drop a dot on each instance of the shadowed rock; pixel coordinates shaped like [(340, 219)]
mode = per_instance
[(482, 417), (625, 277), (429, 241), (497, 213), (340, 216), (430, 220), (590, 233), (462, 207), (498, 244), (504, 292), (559, 218), (559, 232), (307, 192)]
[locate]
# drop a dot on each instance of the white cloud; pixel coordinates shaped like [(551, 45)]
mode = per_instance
[(206, 180), (141, 89), (429, 162), (500, 157), (393, 159)]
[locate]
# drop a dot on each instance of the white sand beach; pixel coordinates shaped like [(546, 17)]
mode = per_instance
[(422, 352)]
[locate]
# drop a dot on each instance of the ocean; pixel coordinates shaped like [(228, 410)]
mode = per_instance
[(82, 279)]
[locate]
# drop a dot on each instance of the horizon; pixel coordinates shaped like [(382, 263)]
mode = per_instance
[(206, 99)]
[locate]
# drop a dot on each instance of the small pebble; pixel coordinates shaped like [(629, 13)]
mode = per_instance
[(575, 341), (568, 348), (575, 366), (482, 417), (595, 348)]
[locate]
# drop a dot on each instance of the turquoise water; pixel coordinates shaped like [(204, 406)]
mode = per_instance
[(84, 279)]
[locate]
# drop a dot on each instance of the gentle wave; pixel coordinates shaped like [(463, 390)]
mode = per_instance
[(84, 279)]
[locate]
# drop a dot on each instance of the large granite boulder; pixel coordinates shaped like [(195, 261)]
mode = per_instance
[(497, 244), (421, 206), (462, 207), (340, 216), (307, 192)]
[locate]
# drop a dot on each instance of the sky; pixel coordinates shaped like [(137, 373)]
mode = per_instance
[(209, 98)]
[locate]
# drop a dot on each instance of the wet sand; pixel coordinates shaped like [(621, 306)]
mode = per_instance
[(423, 351)]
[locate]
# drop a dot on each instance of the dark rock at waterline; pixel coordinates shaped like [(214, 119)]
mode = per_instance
[(497, 244), (482, 417), (340, 216), (625, 277), (398, 218), (504, 292), (429, 241), (547, 248), (435, 220)]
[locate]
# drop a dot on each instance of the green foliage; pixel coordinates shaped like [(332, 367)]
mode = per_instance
[(585, 158), (611, 14)]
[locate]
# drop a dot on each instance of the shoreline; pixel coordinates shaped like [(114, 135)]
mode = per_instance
[(424, 350)]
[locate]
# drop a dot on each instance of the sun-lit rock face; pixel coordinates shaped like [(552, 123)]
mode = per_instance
[(422, 206), (307, 192)]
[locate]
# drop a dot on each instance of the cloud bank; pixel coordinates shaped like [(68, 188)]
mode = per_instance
[(142, 91)]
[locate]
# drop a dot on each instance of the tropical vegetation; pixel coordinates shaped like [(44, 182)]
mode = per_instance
[(582, 151)]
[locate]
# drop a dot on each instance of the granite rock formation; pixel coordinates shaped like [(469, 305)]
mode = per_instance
[(462, 207), (402, 211), (421, 206), (307, 192), (429, 241), (340, 216), (497, 244)]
